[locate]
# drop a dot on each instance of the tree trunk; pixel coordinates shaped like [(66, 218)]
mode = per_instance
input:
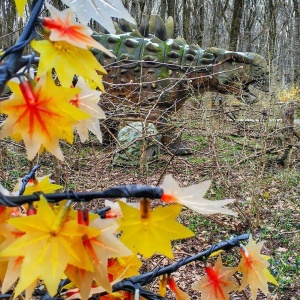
[(186, 20), (163, 9), (272, 29), (296, 46), (238, 8), (199, 21)]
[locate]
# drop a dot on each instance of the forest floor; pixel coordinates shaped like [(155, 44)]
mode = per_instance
[(248, 156)]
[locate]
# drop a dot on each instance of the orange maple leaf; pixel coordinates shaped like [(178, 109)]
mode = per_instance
[(99, 248), (63, 27), (217, 282), (48, 245), (40, 113), (253, 266), (180, 295)]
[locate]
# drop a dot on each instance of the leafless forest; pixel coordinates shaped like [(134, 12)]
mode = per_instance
[(249, 156), (268, 27)]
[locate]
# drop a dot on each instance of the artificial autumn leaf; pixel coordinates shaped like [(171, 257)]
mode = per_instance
[(99, 248), (63, 27), (162, 288), (253, 266), (99, 10), (40, 184), (41, 115), (67, 60), (49, 244), (20, 4), (180, 295), (148, 232), (3, 267), (115, 209), (217, 282), (193, 197), (8, 235), (126, 266), (87, 100)]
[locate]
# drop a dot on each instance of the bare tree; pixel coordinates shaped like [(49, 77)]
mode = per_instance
[(238, 8), (187, 20), (296, 45)]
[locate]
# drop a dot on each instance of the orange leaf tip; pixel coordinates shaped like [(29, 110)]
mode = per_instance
[(44, 120), (193, 197), (253, 265), (217, 283), (63, 27)]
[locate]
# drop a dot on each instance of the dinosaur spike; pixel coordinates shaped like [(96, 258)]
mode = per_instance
[(173, 54), (156, 40), (113, 39), (175, 45), (151, 47), (152, 25), (160, 28), (136, 33), (181, 41), (144, 26), (195, 46), (170, 27), (131, 43), (117, 27), (125, 25)]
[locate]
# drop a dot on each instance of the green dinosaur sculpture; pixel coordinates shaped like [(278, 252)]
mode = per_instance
[(152, 75)]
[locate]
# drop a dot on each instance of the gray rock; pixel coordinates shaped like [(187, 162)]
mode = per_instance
[(131, 139)]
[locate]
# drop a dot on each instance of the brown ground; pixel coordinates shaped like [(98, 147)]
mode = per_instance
[(256, 163)]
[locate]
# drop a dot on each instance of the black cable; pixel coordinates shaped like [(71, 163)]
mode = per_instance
[(122, 191), (133, 283), (27, 177), (15, 61)]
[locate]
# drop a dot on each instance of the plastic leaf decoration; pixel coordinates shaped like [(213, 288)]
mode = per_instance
[(253, 266), (193, 197), (40, 184), (99, 248), (180, 295), (63, 27), (48, 245), (67, 60), (20, 4), (126, 266), (87, 101), (41, 114), (148, 232), (115, 210), (99, 10), (217, 282)]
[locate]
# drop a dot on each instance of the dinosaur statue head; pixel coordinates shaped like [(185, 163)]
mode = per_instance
[(235, 72)]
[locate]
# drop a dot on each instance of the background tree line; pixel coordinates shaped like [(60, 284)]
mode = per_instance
[(268, 27)]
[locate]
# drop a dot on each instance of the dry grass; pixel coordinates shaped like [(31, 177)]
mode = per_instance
[(248, 156)]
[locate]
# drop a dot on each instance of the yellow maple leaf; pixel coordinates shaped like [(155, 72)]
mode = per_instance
[(67, 60), (48, 245), (126, 266), (40, 184), (41, 114), (148, 232), (217, 282), (253, 266), (99, 248), (20, 4)]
